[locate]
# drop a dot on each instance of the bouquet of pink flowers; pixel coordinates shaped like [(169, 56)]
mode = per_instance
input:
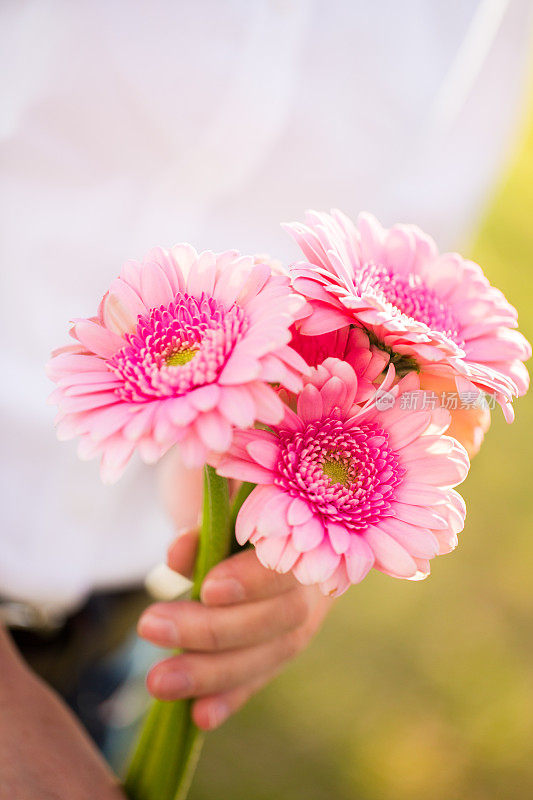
[(346, 393)]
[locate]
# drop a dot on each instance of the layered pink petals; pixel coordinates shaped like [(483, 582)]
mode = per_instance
[(344, 487), (436, 313), (183, 350)]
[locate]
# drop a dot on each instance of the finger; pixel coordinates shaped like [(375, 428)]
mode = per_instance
[(200, 674), (181, 554), (193, 626), (242, 578), (210, 712)]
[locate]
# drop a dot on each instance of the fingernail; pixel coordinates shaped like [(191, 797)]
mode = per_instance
[(222, 590), (158, 629), (183, 532), (218, 713), (172, 684)]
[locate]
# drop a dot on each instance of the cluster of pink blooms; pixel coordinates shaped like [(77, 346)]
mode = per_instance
[(273, 377)]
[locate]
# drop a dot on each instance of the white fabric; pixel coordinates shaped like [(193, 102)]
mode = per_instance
[(129, 124)]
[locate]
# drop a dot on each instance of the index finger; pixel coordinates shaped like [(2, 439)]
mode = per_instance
[(241, 579)]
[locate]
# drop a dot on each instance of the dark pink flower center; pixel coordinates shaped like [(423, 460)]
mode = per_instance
[(177, 348), (409, 296), (346, 473)]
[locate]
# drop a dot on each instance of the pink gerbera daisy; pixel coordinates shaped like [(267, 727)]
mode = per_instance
[(182, 350), (343, 487), (428, 312)]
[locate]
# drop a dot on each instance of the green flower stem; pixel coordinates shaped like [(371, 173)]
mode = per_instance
[(169, 745), (243, 493), (215, 536)]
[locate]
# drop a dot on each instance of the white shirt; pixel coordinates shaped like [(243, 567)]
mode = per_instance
[(124, 125)]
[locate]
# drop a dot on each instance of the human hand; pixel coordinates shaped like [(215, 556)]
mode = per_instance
[(44, 752), (251, 621)]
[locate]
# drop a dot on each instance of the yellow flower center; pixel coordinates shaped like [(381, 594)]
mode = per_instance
[(180, 357), (337, 472)]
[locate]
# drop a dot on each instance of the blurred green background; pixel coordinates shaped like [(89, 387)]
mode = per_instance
[(419, 690)]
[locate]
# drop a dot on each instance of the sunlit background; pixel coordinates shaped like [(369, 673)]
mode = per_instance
[(419, 690)]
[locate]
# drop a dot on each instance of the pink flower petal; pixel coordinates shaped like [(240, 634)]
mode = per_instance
[(317, 565), (140, 422), (333, 394), (339, 537), (214, 431), (418, 542), (66, 364), (447, 540), (337, 583), (87, 402), (239, 369), (122, 307), (422, 571), (256, 281), (438, 471), (114, 460), (149, 450), (237, 406), (293, 359), (269, 408), (156, 288), (310, 404), (308, 534), (205, 398), (98, 339), (167, 263), (419, 515), (399, 248), (274, 371), (390, 556), (100, 377), (324, 319), (246, 523), (192, 450), (246, 470), (109, 421), (419, 494), (202, 278), (181, 411), (131, 274), (288, 558), (298, 512), (359, 559), (89, 388), (270, 551), (272, 516), (408, 428), (185, 257), (264, 453)]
